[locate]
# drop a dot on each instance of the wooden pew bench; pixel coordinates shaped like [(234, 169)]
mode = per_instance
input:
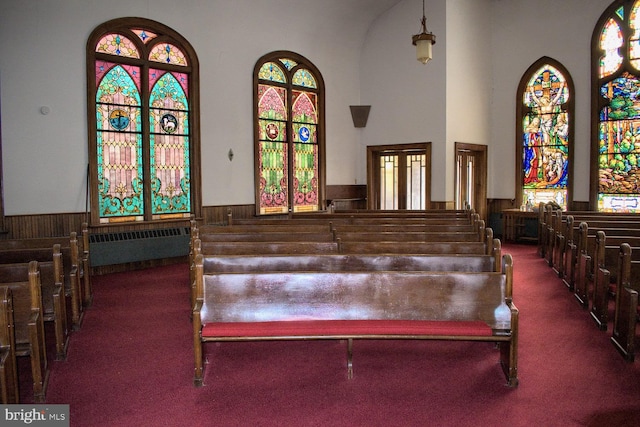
[(565, 227), (598, 252), (24, 281), (402, 236), (340, 262), (52, 289), (357, 305), (75, 274), (627, 310), (581, 238), (9, 390), (267, 236), (262, 248), (355, 221), (606, 270)]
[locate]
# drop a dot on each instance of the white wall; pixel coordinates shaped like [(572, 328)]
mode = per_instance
[(42, 63), (523, 32), (469, 70), (407, 98)]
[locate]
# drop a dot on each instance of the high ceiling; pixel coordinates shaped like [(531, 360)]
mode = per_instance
[(342, 16)]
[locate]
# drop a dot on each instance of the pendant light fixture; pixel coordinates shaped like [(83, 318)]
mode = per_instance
[(424, 41)]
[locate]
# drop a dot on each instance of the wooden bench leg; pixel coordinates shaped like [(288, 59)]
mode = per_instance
[(350, 358), (509, 354)]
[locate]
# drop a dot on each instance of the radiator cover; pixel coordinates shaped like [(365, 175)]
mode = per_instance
[(133, 246)]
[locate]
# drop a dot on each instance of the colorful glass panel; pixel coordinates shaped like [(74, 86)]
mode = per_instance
[(145, 35), (287, 135), (167, 54), (273, 178), (545, 142), (289, 63), (305, 181), (169, 147), (117, 44), (272, 123), (119, 146), (619, 145), (610, 42), (304, 78), (305, 164), (272, 72), (634, 42)]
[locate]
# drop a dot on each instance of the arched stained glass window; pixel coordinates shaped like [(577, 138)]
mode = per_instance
[(144, 144), (615, 180), (545, 134), (289, 133)]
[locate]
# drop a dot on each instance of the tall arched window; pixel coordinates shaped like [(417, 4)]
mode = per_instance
[(143, 123), (545, 111), (289, 134), (615, 68)]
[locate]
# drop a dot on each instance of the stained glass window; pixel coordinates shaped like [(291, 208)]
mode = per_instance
[(618, 109), (290, 142), (545, 135), (143, 152)]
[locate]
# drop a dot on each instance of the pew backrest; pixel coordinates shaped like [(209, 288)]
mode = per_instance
[(398, 295)]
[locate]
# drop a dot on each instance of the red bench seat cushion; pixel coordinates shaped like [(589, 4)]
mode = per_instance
[(301, 328)]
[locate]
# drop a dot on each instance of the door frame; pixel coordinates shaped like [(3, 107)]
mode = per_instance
[(479, 152), (373, 177)]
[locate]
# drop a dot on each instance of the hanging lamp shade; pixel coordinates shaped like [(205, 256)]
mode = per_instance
[(424, 41)]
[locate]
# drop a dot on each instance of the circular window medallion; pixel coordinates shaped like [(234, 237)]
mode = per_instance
[(169, 123), (118, 119), (304, 134), (272, 131)]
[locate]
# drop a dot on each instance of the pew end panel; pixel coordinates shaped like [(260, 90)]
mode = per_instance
[(600, 306), (582, 283), (9, 391), (624, 330), (627, 310)]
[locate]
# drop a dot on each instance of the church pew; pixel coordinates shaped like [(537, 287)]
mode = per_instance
[(354, 262), (257, 248), (606, 271), (402, 232), (296, 244), (84, 266), (396, 212), (74, 267), (591, 260), (357, 305), (259, 228), (54, 306), (346, 262), (356, 221), (565, 225), (267, 236), (571, 247), (553, 220), (24, 281), (623, 336), (9, 391)]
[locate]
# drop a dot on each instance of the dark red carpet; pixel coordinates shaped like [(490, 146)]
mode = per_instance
[(131, 364)]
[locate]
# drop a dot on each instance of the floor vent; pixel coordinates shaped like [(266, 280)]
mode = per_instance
[(141, 245)]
